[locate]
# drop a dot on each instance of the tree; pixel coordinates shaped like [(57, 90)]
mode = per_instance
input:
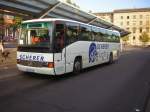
[(144, 38), (69, 1), (15, 26), (1, 27), (125, 39)]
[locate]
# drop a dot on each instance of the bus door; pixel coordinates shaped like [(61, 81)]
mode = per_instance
[(59, 48)]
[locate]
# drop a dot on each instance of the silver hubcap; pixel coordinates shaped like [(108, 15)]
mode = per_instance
[(77, 66)]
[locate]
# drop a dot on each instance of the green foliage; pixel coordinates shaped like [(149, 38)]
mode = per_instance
[(16, 23), (17, 20), (1, 25), (125, 38), (1, 20), (69, 1), (144, 37)]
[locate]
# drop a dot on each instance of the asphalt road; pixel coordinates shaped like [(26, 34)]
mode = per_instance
[(120, 87)]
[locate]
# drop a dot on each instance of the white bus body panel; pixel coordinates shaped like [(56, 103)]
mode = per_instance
[(64, 61), (59, 62), (39, 70), (81, 48)]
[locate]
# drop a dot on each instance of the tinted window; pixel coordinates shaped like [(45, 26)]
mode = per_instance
[(85, 33), (71, 33), (97, 35), (115, 38), (59, 37)]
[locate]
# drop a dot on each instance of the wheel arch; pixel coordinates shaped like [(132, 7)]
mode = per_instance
[(78, 58)]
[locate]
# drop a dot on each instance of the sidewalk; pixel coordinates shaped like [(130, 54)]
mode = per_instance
[(131, 48), (10, 61)]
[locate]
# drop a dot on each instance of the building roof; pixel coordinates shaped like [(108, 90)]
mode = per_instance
[(103, 13), (125, 11), (132, 10)]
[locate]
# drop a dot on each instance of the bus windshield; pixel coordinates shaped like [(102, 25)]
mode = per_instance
[(35, 34)]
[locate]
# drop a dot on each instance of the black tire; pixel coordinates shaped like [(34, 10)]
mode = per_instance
[(110, 58), (77, 66)]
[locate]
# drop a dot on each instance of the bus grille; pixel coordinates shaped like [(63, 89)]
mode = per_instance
[(32, 63)]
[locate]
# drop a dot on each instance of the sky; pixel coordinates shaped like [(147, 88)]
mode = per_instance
[(110, 5)]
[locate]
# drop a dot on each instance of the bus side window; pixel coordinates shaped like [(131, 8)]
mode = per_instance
[(59, 37), (71, 33), (93, 36), (85, 33)]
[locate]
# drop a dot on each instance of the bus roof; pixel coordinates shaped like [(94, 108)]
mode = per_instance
[(50, 19), (102, 30)]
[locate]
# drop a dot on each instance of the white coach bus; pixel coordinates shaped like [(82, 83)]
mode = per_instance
[(58, 46)]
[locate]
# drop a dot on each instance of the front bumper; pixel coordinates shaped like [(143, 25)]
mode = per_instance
[(39, 70)]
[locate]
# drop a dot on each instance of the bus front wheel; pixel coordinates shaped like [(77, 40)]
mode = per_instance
[(110, 58), (77, 66)]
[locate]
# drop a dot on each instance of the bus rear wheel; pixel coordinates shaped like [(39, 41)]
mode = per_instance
[(77, 66)]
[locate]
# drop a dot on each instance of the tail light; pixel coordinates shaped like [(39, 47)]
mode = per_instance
[(50, 64)]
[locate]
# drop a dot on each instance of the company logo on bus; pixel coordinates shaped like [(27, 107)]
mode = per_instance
[(31, 57), (92, 53)]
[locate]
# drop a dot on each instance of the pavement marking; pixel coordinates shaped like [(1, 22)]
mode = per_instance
[(137, 110)]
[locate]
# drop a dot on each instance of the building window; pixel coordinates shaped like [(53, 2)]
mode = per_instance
[(134, 16), (128, 17), (140, 29), (128, 28), (134, 23), (141, 22), (140, 37), (141, 16), (147, 16), (134, 29), (133, 37), (147, 29), (127, 22), (121, 17), (147, 22), (121, 23)]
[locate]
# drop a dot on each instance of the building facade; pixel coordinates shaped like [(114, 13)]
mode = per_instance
[(136, 21), (106, 16)]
